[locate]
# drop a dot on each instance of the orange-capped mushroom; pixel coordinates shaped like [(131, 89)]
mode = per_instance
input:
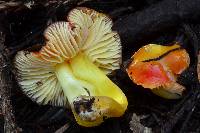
[(177, 61), (156, 67), (148, 74)]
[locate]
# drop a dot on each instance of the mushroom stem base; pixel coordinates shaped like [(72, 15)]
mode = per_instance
[(85, 70), (91, 94)]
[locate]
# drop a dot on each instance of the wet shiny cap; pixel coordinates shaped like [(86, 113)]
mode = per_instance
[(156, 67)]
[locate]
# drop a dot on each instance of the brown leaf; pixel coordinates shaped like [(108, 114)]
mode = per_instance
[(137, 127)]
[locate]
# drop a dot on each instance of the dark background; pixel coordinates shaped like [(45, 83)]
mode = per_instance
[(138, 22)]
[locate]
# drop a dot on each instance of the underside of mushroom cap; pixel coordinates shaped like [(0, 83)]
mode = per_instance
[(61, 43), (87, 31), (99, 42), (73, 63), (37, 79)]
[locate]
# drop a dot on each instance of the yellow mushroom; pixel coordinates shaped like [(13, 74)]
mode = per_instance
[(70, 69)]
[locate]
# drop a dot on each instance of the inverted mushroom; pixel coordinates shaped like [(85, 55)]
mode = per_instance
[(157, 67), (70, 69)]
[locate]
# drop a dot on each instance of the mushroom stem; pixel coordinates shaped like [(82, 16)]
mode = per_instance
[(85, 70), (72, 88), (91, 94)]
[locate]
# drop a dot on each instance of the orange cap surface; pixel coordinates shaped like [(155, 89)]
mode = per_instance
[(156, 66), (148, 74)]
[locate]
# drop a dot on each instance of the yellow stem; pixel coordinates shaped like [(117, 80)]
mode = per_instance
[(85, 70), (72, 88)]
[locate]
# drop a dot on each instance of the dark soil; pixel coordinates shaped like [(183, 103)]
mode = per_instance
[(23, 27)]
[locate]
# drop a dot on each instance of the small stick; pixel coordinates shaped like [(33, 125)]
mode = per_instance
[(5, 94), (63, 128)]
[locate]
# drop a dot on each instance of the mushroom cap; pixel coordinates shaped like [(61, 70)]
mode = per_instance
[(86, 31), (148, 74), (152, 51), (156, 67), (177, 61), (99, 42), (38, 80)]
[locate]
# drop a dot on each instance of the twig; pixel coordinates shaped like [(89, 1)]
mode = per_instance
[(10, 4), (184, 125), (5, 93), (63, 128), (4, 5)]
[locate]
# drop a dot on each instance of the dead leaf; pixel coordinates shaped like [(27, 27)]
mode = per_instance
[(137, 127)]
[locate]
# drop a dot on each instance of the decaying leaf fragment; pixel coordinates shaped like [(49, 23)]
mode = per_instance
[(137, 127)]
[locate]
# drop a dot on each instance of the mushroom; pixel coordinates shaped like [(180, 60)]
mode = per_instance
[(70, 69), (157, 67)]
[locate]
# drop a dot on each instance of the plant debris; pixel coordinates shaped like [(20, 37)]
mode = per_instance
[(137, 127)]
